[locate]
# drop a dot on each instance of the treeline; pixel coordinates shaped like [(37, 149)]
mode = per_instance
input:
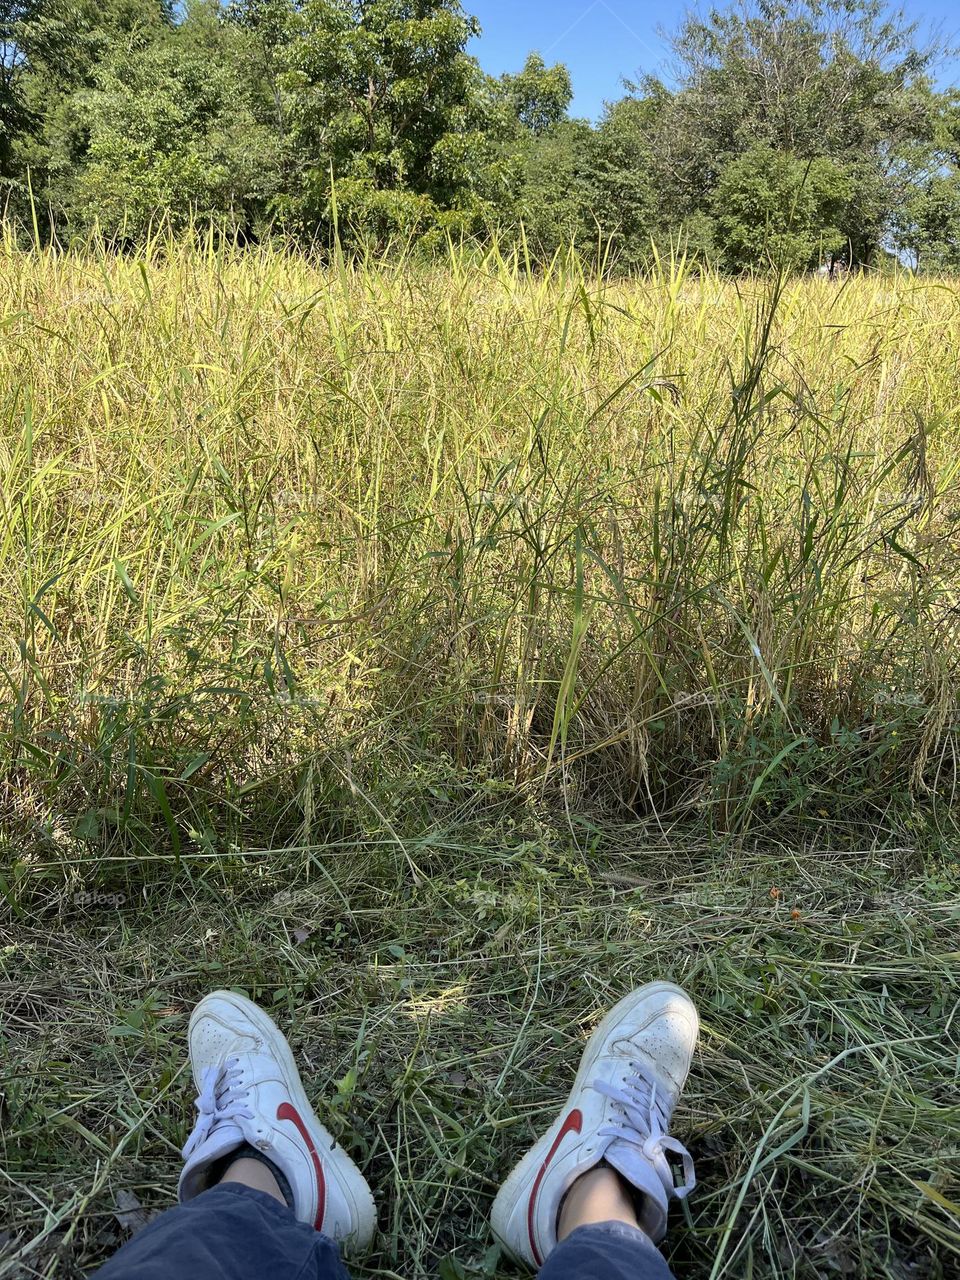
[(790, 130)]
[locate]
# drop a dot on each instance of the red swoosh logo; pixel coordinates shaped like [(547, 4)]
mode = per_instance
[(572, 1124), (286, 1112)]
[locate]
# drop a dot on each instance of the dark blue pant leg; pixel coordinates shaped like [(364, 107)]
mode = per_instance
[(606, 1251), (228, 1233)]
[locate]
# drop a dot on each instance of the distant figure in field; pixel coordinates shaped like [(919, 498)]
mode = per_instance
[(267, 1194)]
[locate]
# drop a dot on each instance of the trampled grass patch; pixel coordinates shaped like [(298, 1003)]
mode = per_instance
[(435, 650), (440, 1024)]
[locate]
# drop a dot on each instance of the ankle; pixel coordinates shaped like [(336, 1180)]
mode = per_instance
[(251, 1168), (599, 1195), (251, 1173)]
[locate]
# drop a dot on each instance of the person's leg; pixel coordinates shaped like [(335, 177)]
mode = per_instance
[(230, 1232), (589, 1200), (600, 1195), (598, 1237), (265, 1191), (254, 1174)]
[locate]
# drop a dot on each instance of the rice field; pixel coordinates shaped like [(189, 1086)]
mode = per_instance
[(434, 650)]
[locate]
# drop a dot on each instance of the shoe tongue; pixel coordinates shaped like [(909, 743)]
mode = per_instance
[(634, 1167)]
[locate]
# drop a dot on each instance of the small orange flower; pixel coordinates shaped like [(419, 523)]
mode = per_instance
[(795, 913), (775, 894)]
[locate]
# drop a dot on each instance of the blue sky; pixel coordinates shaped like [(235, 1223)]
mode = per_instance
[(603, 40)]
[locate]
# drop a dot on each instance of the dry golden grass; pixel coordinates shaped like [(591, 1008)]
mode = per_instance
[(675, 544)]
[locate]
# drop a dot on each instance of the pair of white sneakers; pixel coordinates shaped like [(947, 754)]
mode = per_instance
[(618, 1112)]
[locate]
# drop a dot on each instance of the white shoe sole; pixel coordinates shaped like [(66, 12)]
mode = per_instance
[(529, 1167), (352, 1182)]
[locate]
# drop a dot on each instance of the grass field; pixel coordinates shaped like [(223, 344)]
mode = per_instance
[(434, 652)]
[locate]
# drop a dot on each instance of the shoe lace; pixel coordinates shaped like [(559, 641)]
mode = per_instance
[(222, 1098), (642, 1118)]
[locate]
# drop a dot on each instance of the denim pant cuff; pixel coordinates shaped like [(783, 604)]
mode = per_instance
[(230, 1232), (606, 1251), (599, 1232)]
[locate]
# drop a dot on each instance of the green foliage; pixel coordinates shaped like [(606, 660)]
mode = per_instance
[(60, 48), (771, 208), (173, 132), (539, 96), (809, 80), (383, 100), (553, 202), (14, 117), (929, 226), (621, 177)]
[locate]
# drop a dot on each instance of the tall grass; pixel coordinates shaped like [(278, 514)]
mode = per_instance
[(284, 545)]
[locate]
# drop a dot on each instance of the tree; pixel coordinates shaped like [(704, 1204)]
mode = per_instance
[(61, 46), (539, 96), (772, 209), (14, 117), (174, 132), (534, 165), (928, 229), (553, 198), (839, 80), (623, 202), (384, 104)]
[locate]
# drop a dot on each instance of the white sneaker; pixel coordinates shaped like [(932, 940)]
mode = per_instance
[(250, 1091), (631, 1074)]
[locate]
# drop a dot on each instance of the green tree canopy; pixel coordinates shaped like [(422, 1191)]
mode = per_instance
[(386, 103), (538, 97), (838, 80), (928, 226), (772, 209), (174, 132)]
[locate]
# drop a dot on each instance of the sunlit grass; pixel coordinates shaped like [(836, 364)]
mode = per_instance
[(275, 532)]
